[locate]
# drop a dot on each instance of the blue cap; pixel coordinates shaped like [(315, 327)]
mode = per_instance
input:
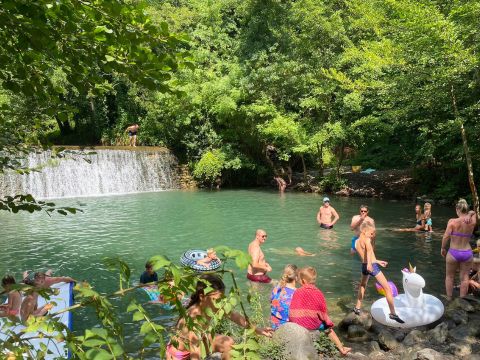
[(326, 199)]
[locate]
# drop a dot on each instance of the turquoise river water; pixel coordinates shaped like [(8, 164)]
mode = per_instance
[(137, 226)]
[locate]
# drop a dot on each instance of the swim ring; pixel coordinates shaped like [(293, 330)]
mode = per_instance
[(381, 290), (190, 258), (414, 307)]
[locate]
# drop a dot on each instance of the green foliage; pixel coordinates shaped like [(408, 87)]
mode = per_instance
[(332, 182), (106, 339), (210, 166), (326, 347)]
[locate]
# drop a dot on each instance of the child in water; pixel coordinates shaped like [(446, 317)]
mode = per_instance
[(12, 307), (188, 342), (282, 296), (309, 308), (427, 213), (211, 256)]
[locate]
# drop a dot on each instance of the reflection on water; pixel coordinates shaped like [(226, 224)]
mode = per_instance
[(135, 227)]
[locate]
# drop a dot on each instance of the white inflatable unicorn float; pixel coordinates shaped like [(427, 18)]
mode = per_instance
[(414, 307)]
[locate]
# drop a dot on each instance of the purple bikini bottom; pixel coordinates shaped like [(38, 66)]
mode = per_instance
[(461, 255)]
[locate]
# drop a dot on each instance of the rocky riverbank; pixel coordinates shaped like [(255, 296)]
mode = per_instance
[(392, 184), (455, 336)]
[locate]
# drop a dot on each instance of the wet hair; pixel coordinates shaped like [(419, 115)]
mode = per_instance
[(8, 280), (427, 204), (289, 274), (148, 265), (366, 225), (205, 281), (364, 207), (210, 251), (33, 277), (462, 206), (308, 274)]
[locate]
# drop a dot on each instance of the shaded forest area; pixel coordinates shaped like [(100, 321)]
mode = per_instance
[(381, 84)]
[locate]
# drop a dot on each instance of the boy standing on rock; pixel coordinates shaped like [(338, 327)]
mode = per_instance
[(370, 268)]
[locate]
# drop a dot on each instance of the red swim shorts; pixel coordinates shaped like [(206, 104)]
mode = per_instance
[(259, 278)]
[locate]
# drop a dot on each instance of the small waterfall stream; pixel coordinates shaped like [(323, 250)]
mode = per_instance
[(109, 172)]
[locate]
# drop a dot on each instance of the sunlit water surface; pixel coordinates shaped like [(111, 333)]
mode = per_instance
[(135, 227)]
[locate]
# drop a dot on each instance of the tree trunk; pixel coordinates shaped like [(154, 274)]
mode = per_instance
[(64, 126), (340, 158), (320, 159), (471, 179), (304, 168)]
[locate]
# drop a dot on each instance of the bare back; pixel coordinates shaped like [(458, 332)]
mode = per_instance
[(460, 233)]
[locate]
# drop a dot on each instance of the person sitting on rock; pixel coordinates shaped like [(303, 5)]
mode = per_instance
[(281, 296), (309, 308), (12, 307)]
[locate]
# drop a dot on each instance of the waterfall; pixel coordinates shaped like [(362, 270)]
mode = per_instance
[(107, 172)]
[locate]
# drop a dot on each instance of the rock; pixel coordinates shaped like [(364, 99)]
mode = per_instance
[(439, 334), (414, 337), (464, 333), (364, 320), (457, 315), (377, 355), (471, 357), (387, 341), (450, 323), (373, 346), (214, 356), (462, 304), (357, 355), (429, 354), (460, 349), (399, 335), (356, 331), (297, 341)]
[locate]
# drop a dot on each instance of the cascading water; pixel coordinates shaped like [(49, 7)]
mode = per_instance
[(108, 172)]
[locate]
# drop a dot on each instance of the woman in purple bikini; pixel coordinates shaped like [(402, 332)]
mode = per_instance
[(459, 255)]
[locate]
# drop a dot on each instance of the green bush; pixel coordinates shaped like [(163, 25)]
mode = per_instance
[(332, 182), (210, 166)]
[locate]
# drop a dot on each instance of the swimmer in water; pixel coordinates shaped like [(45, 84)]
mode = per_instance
[(299, 251), (211, 256)]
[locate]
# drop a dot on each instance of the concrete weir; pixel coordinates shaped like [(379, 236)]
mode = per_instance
[(109, 170)]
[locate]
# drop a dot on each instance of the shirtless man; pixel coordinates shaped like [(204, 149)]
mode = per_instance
[(370, 268), (358, 220), (132, 133), (325, 214), (258, 268)]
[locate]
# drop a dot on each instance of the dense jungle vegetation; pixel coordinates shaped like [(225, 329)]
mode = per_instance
[(382, 83)]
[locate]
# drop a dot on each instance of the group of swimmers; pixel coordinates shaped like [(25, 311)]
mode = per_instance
[(23, 306)]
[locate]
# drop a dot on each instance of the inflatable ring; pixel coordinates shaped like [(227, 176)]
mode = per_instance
[(190, 258)]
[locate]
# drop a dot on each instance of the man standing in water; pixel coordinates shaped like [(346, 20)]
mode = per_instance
[(370, 267), (132, 133), (325, 214), (358, 220), (258, 268)]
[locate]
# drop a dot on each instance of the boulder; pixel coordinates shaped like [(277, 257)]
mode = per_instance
[(414, 337), (438, 334), (460, 349), (364, 320), (297, 341), (373, 346), (387, 341), (380, 355), (356, 331), (461, 304), (464, 333), (214, 356), (429, 354), (459, 316)]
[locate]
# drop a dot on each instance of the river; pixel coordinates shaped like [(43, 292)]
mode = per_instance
[(137, 226)]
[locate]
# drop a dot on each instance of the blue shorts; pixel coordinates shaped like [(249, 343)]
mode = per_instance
[(354, 240), (429, 222), (376, 269)]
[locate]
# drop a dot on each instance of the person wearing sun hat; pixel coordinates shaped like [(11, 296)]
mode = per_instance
[(327, 215)]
